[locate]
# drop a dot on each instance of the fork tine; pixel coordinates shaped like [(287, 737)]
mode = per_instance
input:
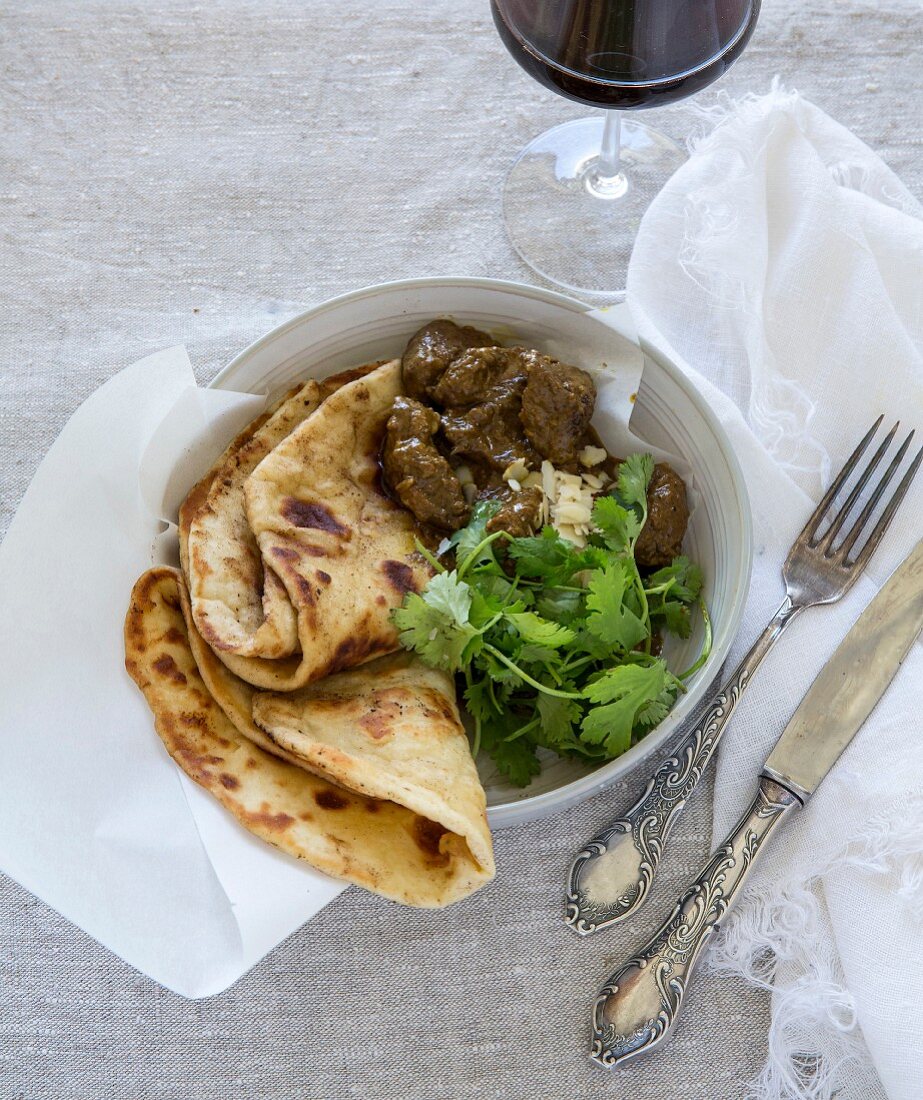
[(826, 543), (862, 519), (810, 528), (882, 525)]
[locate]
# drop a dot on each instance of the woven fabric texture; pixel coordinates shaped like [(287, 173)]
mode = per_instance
[(172, 173)]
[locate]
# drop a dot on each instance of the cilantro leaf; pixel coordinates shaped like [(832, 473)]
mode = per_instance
[(486, 606), (537, 631), (435, 624), (497, 587), (682, 579), (625, 681), (610, 727), (447, 594), (622, 692), (496, 671), (634, 476), (559, 604), (690, 583), (492, 594), (618, 526), (514, 759), (676, 617), (478, 700), (483, 607), (694, 582), (656, 710), (559, 717), (467, 539), (547, 556), (589, 645), (594, 555), (609, 618), (538, 655)]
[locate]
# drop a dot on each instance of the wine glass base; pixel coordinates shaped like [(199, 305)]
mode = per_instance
[(572, 228)]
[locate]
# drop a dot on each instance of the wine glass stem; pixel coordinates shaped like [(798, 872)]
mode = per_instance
[(605, 178), (608, 164)]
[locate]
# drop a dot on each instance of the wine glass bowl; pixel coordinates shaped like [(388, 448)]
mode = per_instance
[(575, 196)]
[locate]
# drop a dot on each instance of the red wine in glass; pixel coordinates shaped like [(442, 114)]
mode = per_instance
[(625, 54), (576, 194)]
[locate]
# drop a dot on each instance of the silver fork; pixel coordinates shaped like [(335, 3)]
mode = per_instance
[(611, 877)]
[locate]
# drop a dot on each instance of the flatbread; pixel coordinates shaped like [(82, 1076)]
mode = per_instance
[(378, 844), (343, 549), (394, 720), (230, 692), (214, 514), (238, 606), (391, 730)]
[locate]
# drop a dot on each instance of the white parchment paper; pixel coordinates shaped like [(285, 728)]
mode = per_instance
[(94, 817)]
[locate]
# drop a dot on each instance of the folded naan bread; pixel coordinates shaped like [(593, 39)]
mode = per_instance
[(239, 606), (391, 730), (414, 856), (343, 549), (230, 692)]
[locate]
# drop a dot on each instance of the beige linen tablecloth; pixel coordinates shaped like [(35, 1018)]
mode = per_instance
[(172, 173)]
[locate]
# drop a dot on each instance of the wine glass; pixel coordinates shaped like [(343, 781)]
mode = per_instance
[(575, 196)]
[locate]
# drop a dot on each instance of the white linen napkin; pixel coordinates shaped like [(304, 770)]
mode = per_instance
[(783, 264)]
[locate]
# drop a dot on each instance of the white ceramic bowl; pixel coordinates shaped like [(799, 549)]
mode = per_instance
[(669, 413)]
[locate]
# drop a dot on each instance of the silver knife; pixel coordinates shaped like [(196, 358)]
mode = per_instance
[(638, 1006)]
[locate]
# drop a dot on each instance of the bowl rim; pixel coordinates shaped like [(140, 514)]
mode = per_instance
[(577, 790)]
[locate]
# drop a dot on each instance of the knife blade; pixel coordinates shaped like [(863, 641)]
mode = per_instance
[(638, 1006), (851, 683)]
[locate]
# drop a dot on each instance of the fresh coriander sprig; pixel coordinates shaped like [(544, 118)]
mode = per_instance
[(555, 641)]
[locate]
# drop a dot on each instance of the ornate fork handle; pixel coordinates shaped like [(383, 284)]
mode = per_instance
[(637, 1007), (610, 878)]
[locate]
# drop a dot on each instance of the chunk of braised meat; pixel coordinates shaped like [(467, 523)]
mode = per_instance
[(475, 373), (482, 391), (415, 471), (490, 433), (557, 405), (520, 513), (661, 539), (431, 349)]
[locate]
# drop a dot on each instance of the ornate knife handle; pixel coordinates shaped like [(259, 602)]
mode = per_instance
[(636, 1009), (610, 878)]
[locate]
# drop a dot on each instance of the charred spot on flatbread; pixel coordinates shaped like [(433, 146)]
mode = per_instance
[(302, 513)]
